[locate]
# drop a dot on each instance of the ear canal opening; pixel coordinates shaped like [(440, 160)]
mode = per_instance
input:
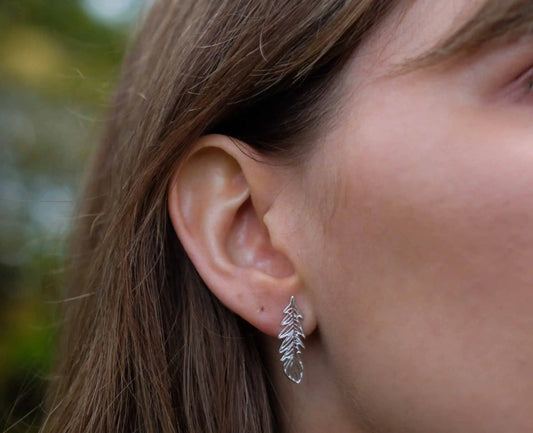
[(248, 244)]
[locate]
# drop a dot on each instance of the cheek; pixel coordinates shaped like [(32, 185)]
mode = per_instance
[(428, 301)]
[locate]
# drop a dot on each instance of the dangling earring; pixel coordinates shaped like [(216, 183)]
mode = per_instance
[(290, 349)]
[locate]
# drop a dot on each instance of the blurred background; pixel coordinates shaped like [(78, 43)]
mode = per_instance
[(59, 60)]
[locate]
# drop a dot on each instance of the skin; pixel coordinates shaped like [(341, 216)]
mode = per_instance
[(407, 238), (425, 225)]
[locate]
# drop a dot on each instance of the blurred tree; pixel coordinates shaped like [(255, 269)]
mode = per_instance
[(58, 62)]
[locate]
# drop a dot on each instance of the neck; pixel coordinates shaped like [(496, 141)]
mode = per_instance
[(320, 403)]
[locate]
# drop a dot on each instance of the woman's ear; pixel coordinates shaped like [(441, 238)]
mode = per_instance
[(217, 201)]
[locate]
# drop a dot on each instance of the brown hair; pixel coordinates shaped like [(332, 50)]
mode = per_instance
[(145, 346)]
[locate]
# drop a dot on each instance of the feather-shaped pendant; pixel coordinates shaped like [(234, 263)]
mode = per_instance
[(290, 349)]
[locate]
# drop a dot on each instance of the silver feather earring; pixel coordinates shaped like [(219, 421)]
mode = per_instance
[(290, 349)]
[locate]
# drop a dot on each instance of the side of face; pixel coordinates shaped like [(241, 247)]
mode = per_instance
[(419, 204)]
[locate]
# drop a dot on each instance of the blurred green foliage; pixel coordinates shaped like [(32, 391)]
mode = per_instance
[(58, 65)]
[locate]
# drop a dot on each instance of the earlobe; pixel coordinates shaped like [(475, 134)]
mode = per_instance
[(212, 204)]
